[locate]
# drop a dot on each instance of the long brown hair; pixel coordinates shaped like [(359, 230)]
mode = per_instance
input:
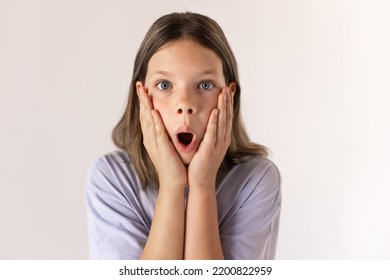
[(127, 134)]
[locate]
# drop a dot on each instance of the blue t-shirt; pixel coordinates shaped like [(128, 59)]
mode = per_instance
[(120, 213)]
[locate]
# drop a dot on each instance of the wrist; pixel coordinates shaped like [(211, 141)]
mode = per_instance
[(203, 187), (202, 182), (202, 179), (171, 187), (170, 199), (172, 183)]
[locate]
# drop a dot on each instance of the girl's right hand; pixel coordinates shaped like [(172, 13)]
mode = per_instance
[(171, 170)]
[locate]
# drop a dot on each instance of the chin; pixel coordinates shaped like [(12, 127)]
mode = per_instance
[(186, 158)]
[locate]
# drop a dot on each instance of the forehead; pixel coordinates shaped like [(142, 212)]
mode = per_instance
[(183, 57)]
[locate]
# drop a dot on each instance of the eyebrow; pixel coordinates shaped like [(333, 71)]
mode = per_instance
[(167, 73)]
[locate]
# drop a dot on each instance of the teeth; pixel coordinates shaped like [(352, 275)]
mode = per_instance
[(185, 138)]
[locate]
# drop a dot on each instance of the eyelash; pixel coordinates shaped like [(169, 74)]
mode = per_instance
[(209, 82), (158, 85)]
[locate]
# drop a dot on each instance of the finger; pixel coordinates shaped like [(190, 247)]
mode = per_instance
[(142, 110), (142, 101), (210, 136), (146, 119), (161, 134), (146, 99), (229, 115), (221, 130), (146, 105)]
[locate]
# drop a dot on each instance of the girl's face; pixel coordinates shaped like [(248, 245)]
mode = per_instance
[(184, 80)]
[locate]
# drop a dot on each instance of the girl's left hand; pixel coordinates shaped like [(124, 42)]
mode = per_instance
[(204, 166)]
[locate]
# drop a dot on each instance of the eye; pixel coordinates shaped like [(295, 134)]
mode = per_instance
[(206, 85), (163, 85)]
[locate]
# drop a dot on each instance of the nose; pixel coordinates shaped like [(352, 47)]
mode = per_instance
[(189, 110), (186, 103)]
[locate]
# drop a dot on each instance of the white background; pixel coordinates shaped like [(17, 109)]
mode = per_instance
[(315, 79)]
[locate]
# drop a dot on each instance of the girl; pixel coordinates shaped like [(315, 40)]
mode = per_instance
[(186, 183)]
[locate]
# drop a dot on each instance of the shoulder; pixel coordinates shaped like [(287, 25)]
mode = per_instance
[(252, 183), (112, 172), (256, 168), (258, 162), (112, 159), (265, 179), (118, 211), (263, 169), (249, 209)]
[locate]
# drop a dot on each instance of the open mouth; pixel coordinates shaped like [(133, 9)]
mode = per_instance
[(185, 138)]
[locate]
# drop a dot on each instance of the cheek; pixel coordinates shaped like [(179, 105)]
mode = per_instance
[(158, 103), (162, 108), (211, 103), (207, 106), (204, 116)]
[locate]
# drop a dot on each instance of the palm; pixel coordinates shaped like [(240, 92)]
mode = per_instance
[(207, 160)]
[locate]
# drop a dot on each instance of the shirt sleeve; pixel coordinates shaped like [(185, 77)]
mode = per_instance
[(252, 231), (114, 228)]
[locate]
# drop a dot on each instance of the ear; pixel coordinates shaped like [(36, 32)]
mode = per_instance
[(138, 85), (232, 87)]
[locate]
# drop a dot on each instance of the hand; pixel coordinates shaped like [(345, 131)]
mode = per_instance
[(204, 166), (171, 171)]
